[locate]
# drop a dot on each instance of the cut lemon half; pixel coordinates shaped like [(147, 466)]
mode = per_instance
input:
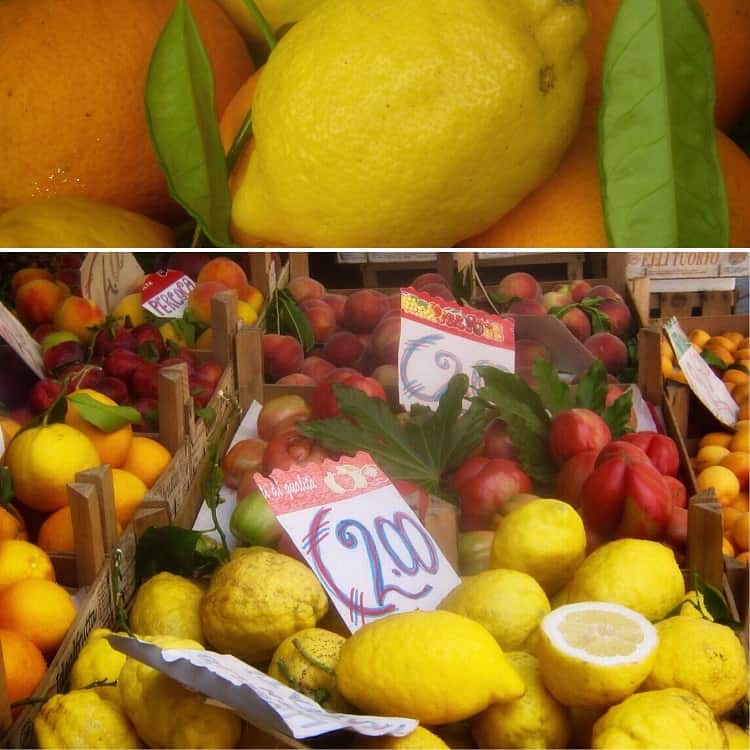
[(595, 654)]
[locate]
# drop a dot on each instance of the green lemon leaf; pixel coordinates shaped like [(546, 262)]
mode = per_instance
[(284, 316), (714, 601), (183, 127), (7, 493), (713, 359), (661, 180), (104, 416), (554, 393)]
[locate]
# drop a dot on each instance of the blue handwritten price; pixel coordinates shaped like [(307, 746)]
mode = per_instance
[(398, 546)]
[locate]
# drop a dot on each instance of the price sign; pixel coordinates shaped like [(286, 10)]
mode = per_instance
[(108, 277), (165, 293), (21, 341), (440, 339), (361, 539), (262, 700), (700, 377)]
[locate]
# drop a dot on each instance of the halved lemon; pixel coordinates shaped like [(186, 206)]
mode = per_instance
[(595, 654)]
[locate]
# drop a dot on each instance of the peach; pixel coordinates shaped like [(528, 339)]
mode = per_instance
[(189, 263), (439, 290), (557, 298), (364, 309), (427, 278), (78, 315), (609, 349), (199, 300), (225, 271), (252, 296), (243, 457), (520, 285), (36, 301), (316, 368), (394, 302), (321, 317), (497, 441), (528, 351), (384, 341), (282, 355), (336, 302), (579, 289), (618, 316), (343, 349), (281, 411), (577, 322), (386, 375), (303, 288), (602, 290), (25, 275), (296, 378), (526, 307)]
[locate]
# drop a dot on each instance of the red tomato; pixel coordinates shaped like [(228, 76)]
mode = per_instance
[(575, 431), (292, 449), (323, 401), (661, 450)]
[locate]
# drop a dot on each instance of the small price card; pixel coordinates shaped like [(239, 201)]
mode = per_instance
[(440, 339), (165, 293), (262, 700), (700, 377), (21, 341), (361, 539)]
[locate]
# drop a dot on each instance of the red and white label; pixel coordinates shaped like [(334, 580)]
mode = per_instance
[(165, 293), (363, 542)]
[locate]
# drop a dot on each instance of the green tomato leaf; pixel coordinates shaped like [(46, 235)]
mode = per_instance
[(591, 392), (104, 416), (554, 393), (661, 181), (617, 415), (183, 127)]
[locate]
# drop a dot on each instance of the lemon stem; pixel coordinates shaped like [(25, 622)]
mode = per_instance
[(262, 23)]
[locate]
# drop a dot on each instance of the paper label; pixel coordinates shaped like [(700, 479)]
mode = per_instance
[(644, 419), (108, 277), (363, 542), (440, 339), (21, 341), (701, 379), (165, 293), (689, 264), (258, 698)]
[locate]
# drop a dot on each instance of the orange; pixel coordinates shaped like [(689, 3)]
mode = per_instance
[(735, 377), (205, 340), (10, 524), (566, 210), (24, 275), (741, 533), (743, 558), (56, 533), (723, 354), (739, 463), (716, 438), (129, 492), (42, 460), (745, 343), (728, 516), (725, 484), (739, 441), (709, 455), (727, 548), (147, 459), (41, 610), (740, 502), (744, 412), (112, 447), (734, 336), (699, 337), (20, 560), (723, 341), (9, 428), (24, 665), (101, 148), (729, 26)]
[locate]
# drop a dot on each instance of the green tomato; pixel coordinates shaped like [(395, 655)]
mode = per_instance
[(253, 522), (53, 339)]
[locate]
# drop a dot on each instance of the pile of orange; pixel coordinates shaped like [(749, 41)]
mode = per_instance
[(722, 463)]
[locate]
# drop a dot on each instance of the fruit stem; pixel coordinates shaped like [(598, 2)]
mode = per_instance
[(262, 23)]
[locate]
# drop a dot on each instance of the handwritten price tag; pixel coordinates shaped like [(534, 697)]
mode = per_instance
[(367, 547), (440, 339), (700, 377), (165, 293), (263, 701), (21, 341)]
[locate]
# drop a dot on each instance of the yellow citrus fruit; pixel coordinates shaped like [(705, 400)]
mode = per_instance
[(727, 548), (729, 515), (129, 492), (684, 720), (167, 604), (10, 524), (709, 455), (695, 606), (729, 25), (722, 353), (741, 502), (716, 670), (205, 340), (595, 654), (112, 447), (98, 661), (130, 307), (9, 428), (734, 376), (24, 665), (739, 463), (147, 459), (246, 313), (637, 573), (169, 333), (20, 559), (42, 460), (419, 739), (42, 610), (544, 538), (741, 532), (535, 719), (441, 668), (699, 337), (486, 109), (56, 532), (721, 439), (723, 481), (726, 343), (740, 440), (737, 737), (744, 411), (102, 149), (510, 604)]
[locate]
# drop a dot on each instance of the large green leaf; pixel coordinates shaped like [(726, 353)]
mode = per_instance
[(662, 184)]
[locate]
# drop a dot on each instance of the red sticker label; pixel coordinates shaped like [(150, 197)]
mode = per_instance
[(165, 293)]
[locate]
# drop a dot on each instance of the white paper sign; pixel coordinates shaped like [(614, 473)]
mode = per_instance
[(262, 700), (363, 542), (440, 339), (21, 341), (702, 380)]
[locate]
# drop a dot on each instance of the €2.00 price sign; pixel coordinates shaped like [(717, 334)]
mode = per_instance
[(366, 546)]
